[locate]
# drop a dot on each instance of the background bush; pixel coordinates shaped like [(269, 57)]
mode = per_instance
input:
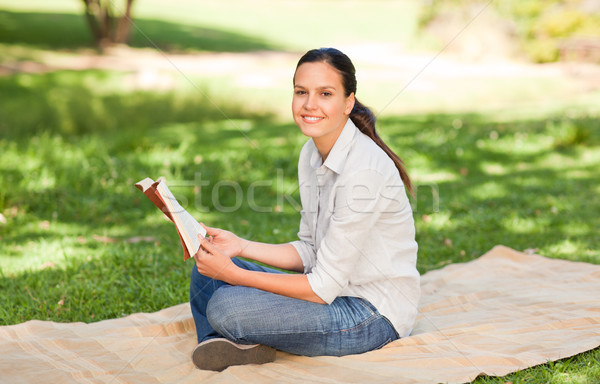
[(542, 27)]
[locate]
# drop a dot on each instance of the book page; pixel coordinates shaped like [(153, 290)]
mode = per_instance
[(144, 184), (188, 227)]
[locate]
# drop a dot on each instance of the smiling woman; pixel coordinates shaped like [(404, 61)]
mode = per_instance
[(357, 287)]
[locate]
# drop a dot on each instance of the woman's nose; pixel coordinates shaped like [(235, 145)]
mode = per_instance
[(310, 102)]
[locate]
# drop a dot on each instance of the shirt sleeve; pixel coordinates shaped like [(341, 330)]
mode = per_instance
[(305, 245), (359, 202)]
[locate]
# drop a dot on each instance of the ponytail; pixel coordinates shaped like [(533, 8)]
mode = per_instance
[(364, 120)]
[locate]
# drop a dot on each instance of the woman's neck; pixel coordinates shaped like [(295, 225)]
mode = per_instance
[(325, 143)]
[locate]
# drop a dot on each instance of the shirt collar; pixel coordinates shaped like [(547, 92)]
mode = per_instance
[(339, 152)]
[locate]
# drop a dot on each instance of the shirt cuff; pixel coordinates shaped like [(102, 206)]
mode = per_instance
[(324, 286), (307, 254)]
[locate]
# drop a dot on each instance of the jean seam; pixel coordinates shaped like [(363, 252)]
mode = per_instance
[(372, 318), (367, 304), (375, 311), (391, 326), (375, 315), (389, 340), (362, 324)]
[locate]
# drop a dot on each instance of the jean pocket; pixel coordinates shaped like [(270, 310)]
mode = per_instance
[(367, 305)]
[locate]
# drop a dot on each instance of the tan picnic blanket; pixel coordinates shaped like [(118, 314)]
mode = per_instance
[(498, 314)]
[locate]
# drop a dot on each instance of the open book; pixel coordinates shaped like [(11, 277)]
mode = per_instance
[(187, 227)]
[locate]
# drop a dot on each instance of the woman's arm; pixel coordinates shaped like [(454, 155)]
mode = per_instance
[(282, 256), (211, 262)]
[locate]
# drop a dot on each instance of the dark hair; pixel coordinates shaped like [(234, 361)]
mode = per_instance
[(361, 115)]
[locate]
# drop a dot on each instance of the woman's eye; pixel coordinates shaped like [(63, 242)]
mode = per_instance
[(300, 92), (326, 93)]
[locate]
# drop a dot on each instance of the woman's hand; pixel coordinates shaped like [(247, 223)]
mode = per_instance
[(227, 242), (212, 262)]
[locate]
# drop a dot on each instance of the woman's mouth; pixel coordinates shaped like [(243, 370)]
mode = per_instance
[(312, 119)]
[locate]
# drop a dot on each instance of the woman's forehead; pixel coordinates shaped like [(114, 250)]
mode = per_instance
[(320, 73)]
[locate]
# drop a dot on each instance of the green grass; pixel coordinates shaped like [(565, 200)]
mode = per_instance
[(79, 243), (231, 25)]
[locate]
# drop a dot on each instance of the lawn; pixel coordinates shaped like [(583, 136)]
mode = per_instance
[(78, 242)]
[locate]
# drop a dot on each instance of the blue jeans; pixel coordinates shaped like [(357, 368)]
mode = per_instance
[(244, 315)]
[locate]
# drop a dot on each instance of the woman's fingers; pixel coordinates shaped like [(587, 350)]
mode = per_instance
[(210, 261), (207, 245), (209, 230)]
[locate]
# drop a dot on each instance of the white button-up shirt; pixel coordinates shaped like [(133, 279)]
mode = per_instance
[(357, 234)]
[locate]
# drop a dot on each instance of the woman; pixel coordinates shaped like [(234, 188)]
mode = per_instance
[(357, 288)]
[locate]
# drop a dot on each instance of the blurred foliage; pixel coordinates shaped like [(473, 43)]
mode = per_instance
[(544, 28), (80, 102), (68, 31)]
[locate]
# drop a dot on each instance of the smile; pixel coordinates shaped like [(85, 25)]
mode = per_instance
[(312, 118)]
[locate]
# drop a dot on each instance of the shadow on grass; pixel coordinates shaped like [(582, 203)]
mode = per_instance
[(71, 151), (527, 184), (59, 31), (75, 103)]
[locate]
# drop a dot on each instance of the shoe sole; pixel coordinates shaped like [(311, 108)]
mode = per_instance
[(218, 354)]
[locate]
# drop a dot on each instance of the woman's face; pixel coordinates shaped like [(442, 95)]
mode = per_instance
[(319, 106)]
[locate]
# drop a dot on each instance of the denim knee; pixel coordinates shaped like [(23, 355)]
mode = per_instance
[(223, 313)]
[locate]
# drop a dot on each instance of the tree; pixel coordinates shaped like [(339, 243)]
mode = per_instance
[(108, 24)]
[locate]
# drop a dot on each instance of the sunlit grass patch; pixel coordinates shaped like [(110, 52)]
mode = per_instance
[(78, 242)]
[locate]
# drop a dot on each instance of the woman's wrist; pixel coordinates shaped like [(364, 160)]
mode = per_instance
[(244, 245)]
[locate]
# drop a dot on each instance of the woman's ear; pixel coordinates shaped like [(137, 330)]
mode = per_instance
[(349, 104)]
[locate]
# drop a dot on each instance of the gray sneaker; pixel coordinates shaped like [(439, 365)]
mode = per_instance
[(218, 354)]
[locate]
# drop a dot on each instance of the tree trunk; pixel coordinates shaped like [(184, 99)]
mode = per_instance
[(106, 27), (123, 31), (91, 15)]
